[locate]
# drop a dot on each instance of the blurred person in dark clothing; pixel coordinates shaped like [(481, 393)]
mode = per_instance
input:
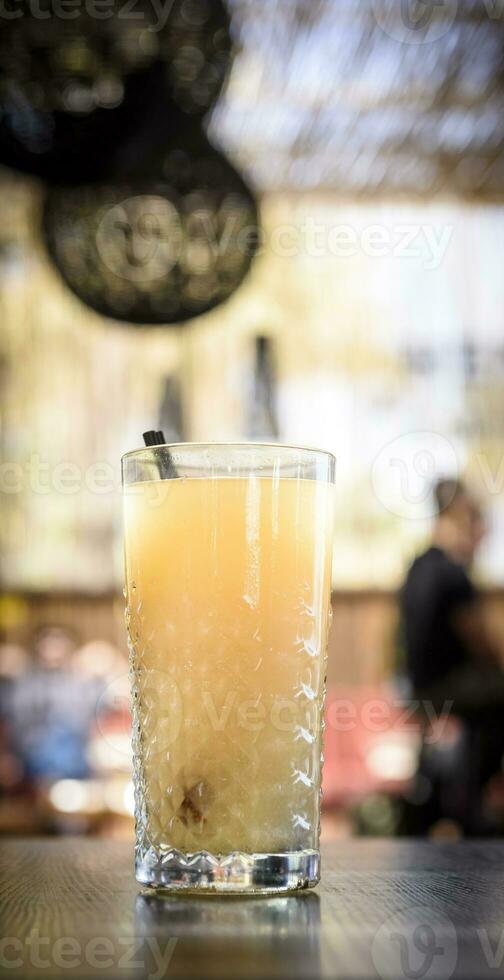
[(50, 711), (451, 661)]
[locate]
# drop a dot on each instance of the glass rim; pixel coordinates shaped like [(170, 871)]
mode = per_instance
[(229, 445)]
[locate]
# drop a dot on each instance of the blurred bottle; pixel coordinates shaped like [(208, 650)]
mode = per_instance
[(262, 409)]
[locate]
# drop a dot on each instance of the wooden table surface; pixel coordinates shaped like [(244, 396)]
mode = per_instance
[(384, 909)]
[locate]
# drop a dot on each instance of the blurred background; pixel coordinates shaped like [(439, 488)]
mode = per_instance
[(264, 220)]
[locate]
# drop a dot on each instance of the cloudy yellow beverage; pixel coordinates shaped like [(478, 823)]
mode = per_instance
[(228, 586)]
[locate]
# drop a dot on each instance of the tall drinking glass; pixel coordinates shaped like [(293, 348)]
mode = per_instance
[(228, 573)]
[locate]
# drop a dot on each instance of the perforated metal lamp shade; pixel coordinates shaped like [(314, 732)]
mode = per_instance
[(80, 97), (160, 248)]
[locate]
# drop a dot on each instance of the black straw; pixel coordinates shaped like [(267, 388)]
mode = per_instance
[(152, 438), (167, 469)]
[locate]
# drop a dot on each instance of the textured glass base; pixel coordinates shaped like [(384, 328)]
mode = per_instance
[(235, 873)]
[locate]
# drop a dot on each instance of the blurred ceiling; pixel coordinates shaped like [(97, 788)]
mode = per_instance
[(368, 96)]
